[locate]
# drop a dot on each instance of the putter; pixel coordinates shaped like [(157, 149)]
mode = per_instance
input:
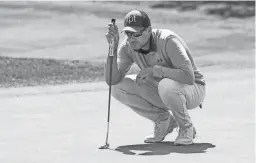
[(111, 55)]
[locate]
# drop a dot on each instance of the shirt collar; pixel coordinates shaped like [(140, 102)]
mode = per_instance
[(152, 46)]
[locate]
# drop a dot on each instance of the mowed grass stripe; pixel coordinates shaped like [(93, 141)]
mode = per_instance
[(17, 72)]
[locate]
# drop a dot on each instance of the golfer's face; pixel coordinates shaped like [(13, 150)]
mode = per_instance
[(137, 39)]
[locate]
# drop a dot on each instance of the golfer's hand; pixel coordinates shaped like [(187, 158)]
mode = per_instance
[(113, 34), (143, 75)]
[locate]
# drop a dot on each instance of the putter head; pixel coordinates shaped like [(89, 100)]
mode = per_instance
[(106, 146)]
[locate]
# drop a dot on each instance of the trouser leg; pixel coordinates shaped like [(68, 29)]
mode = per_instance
[(179, 98), (143, 99)]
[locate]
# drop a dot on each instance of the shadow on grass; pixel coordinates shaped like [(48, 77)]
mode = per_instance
[(163, 148)]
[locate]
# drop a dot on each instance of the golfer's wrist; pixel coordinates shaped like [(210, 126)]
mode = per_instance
[(158, 71)]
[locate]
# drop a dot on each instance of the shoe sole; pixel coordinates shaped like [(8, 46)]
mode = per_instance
[(145, 141), (181, 144)]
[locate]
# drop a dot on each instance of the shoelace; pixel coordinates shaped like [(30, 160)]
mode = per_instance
[(184, 132), (157, 128)]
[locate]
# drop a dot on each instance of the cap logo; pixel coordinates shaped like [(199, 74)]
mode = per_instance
[(131, 19)]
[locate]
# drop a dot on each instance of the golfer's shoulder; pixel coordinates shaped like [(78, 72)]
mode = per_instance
[(162, 35)]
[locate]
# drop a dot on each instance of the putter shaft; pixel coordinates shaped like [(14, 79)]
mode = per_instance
[(111, 56)]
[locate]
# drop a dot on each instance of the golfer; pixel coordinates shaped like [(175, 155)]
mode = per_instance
[(168, 84)]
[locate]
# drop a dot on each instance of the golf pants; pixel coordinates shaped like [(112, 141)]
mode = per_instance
[(154, 99)]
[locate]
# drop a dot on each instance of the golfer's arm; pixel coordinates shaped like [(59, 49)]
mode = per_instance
[(182, 71), (120, 66)]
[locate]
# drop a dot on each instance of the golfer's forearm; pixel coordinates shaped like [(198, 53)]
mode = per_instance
[(116, 75), (180, 75)]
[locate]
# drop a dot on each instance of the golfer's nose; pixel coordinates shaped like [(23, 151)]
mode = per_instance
[(130, 38)]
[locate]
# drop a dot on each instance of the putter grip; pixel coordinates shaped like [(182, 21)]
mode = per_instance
[(111, 44)]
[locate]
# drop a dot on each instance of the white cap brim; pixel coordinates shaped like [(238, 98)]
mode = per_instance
[(132, 29)]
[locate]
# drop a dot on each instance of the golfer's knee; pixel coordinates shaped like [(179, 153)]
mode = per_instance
[(121, 89), (116, 91), (171, 93)]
